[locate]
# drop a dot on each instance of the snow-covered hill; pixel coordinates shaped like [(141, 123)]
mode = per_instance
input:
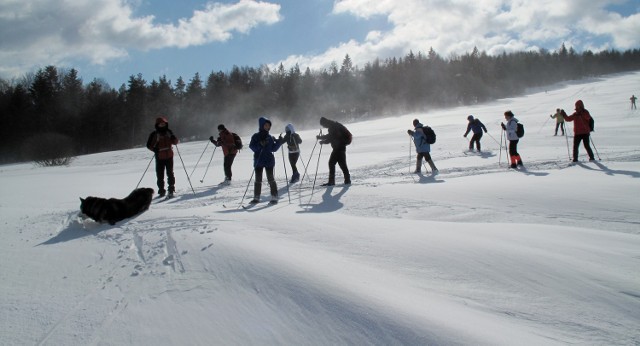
[(478, 254)]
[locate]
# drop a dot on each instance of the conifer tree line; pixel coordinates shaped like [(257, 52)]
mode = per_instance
[(52, 113)]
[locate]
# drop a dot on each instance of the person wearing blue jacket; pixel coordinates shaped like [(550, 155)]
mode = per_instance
[(476, 126), (422, 147), (263, 146)]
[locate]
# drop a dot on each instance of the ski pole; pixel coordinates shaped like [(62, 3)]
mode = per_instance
[(209, 164), (500, 156), (566, 137), (310, 157), (507, 156), (145, 171), (247, 189), (545, 123), (316, 175), (185, 169), (495, 140), (194, 167), (594, 147), (286, 175)]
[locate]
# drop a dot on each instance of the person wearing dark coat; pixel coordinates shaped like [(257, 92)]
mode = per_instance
[(263, 146), (581, 129), (293, 141), (160, 142), (228, 144), (339, 137), (476, 126)]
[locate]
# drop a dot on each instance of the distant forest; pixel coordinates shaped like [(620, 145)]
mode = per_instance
[(53, 113)]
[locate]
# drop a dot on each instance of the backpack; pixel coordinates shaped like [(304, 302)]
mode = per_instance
[(237, 141), (591, 124), (520, 130), (429, 134), (347, 137)]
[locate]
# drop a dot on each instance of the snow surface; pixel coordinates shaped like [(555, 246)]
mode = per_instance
[(479, 254)]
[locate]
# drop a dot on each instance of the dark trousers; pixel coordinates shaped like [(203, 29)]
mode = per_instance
[(576, 144), (257, 187), (161, 167), (513, 148), (561, 126), (228, 161), (475, 139), (293, 160), (338, 156)]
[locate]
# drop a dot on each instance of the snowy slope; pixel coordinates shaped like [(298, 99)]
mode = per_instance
[(478, 254)]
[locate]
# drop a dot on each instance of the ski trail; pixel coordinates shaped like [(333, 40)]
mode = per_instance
[(173, 256)]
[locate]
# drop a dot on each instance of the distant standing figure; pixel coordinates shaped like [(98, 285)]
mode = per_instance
[(476, 126), (581, 129), (512, 137), (160, 142), (633, 99), (423, 148), (263, 146), (293, 141), (228, 144), (559, 121), (339, 137)]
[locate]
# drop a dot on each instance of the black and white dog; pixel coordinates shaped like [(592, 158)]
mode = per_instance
[(113, 210)]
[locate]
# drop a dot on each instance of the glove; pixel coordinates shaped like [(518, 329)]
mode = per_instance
[(173, 138), (212, 140), (156, 150), (318, 137), (485, 131), (465, 136), (503, 127), (563, 113)]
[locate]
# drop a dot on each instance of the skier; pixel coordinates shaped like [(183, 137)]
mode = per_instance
[(476, 126), (422, 147), (581, 129), (339, 137), (160, 142), (559, 121), (293, 141), (511, 127), (263, 146), (228, 144), (633, 99)]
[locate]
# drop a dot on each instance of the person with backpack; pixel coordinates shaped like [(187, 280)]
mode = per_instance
[(160, 142), (263, 146), (512, 137), (423, 148), (559, 121), (476, 126), (339, 137), (227, 141), (582, 127), (293, 141)]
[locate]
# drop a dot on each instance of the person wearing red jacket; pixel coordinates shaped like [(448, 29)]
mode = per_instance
[(160, 142), (581, 129), (228, 144)]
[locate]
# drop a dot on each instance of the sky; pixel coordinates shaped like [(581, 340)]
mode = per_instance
[(478, 254), (115, 39)]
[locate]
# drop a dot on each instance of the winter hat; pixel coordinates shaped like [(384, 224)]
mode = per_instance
[(579, 105), (416, 122), (289, 128), (221, 127), (325, 122), (161, 120), (261, 122), (470, 117)]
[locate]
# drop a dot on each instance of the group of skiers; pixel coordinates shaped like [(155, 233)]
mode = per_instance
[(263, 145)]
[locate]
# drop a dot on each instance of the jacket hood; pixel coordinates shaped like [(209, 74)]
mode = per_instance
[(261, 123), (325, 122), (418, 124), (289, 128), (579, 105), (161, 120)]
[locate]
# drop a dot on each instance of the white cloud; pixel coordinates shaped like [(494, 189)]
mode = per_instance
[(43, 32), (494, 26)]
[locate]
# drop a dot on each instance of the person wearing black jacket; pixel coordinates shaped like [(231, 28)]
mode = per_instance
[(160, 142), (293, 141), (339, 137)]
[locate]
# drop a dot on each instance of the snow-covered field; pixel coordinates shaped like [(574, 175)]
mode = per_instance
[(478, 254)]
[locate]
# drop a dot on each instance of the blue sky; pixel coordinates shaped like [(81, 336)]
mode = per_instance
[(114, 39)]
